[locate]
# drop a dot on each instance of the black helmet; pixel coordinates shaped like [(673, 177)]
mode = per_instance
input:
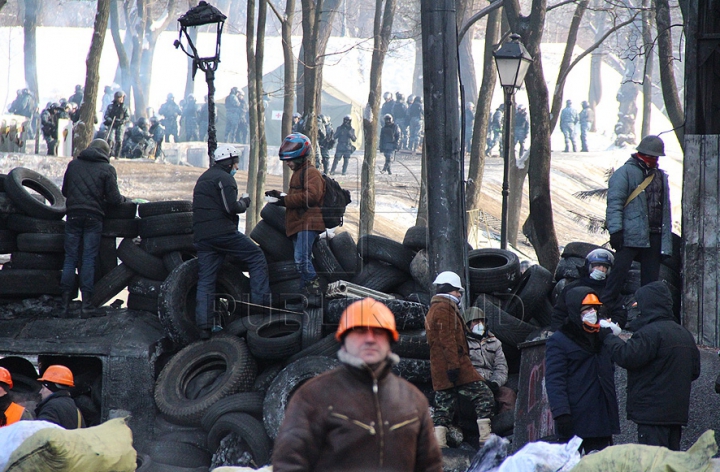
[(119, 94), (78, 88), (399, 97), (387, 96), (585, 104), (170, 96), (388, 118), (234, 90), (568, 102), (153, 119), (651, 146), (347, 118), (141, 121)]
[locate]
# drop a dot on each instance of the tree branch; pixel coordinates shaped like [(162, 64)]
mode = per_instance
[(558, 5), (281, 18), (477, 17)]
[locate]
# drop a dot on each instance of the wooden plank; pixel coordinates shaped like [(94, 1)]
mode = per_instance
[(710, 182), (691, 230)]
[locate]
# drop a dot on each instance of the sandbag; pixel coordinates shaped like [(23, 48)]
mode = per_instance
[(103, 448), (11, 437)]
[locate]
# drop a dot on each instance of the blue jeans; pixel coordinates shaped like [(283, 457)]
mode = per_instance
[(82, 239), (211, 253), (304, 241)]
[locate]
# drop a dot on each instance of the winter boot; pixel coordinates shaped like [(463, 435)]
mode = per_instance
[(484, 429), (87, 309), (65, 303), (441, 436)]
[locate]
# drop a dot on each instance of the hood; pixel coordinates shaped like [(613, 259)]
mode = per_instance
[(654, 302), (574, 300), (94, 155)]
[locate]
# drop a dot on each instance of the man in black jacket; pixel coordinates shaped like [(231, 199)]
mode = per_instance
[(116, 115), (57, 406), (89, 185), (215, 227), (662, 361), (345, 135)]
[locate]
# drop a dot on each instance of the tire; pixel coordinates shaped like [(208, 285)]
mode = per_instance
[(542, 314), (408, 287), (670, 276), (413, 370), (8, 241), (111, 284), (107, 257), (140, 285), (493, 270), (287, 290), (247, 428), (385, 250), (178, 454), (37, 261), (196, 437), (408, 315), (39, 242), (569, 268), (142, 303), (176, 302), (277, 337), (325, 262), (531, 291), (219, 351), (312, 323), (557, 290), (149, 209), (345, 251), (274, 215), (674, 262), (120, 228), (420, 270), (244, 402), (632, 282), (20, 179), (22, 282), (273, 242), (166, 225), (123, 211), (6, 205), (137, 259), (412, 345), (286, 383), (265, 378), (504, 326), (326, 347), (579, 249), (422, 298), (503, 423), (173, 259), (165, 244), (27, 224), (416, 237), (378, 276), (282, 271)]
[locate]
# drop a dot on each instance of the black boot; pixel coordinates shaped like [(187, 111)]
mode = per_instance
[(88, 310), (65, 303)]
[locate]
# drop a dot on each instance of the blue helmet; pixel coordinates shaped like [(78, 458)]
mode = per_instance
[(294, 146), (600, 256)]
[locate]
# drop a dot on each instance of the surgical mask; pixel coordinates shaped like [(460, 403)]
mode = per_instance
[(233, 172), (479, 329), (596, 274), (590, 317)]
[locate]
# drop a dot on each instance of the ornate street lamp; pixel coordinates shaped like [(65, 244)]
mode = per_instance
[(512, 61), (205, 60)]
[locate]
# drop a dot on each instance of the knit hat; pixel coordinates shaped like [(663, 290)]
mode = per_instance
[(100, 144)]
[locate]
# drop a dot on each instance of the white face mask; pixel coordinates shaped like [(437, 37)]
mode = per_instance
[(596, 274), (590, 317), (479, 329)]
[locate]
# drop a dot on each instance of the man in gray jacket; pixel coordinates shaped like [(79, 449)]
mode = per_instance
[(638, 217)]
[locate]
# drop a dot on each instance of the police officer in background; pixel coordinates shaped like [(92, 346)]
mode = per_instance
[(568, 120), (399, 114), (345, 135), (170, 112), (416, 118), (243, 126), (116, 116), (190, 119), (390, 135), (587, 116), (77, 97), (157, 130), (232, 115), (522, 127)]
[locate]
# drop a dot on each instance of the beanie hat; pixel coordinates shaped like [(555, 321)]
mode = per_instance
[(100, 144)]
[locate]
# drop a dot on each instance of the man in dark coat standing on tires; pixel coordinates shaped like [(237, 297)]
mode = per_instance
[(360, 416), (89, 185), (215, 228), (662, 361), (451, 369)]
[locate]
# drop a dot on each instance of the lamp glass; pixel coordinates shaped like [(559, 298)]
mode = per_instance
[(508, 68)]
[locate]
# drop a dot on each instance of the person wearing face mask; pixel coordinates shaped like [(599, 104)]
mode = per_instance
[(215, 232), (579, 376), (638, 217), (598, 265), (488, 358)]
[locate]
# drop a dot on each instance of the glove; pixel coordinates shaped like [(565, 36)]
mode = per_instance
[(281, 201), (273, 193), (453, 375), (617, 240), (246, 201), (613, 326), (493, 386), (564, 426)]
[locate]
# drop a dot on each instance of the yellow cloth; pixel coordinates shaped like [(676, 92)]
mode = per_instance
[(103, 448)]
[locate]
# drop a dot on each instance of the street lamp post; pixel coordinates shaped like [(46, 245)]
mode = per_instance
[(204, 14), (512, 61)]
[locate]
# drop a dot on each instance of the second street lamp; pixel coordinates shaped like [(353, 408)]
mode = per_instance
[(204, 14), (512, 61)]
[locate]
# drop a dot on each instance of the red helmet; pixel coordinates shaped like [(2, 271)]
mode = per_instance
[(295, 146)]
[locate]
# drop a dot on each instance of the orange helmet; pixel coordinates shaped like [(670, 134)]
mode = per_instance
[(58, 374), (5, 377), (591, 299), (369, 313)]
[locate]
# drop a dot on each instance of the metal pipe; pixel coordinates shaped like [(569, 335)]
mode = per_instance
[(212, 131), (509, 152)]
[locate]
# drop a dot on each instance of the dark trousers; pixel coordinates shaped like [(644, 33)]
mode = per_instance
[(118, 131), (649, 258), (345, 155), (660, 435), (211, 253), (82, 240), (596, 444)]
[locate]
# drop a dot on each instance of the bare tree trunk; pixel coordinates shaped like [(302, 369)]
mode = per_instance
[(467, 64), (136, 57), (667, 75), (647, 19), (250, 218), (289, 85), (2, 3), (92, 77), (311, 11), (262, 139), (189, 82), (516, 181), (148, 53), (596, 59), (123, 61), (382, 30), (326, 13), (417, 87), (32, 10), (422, 213)]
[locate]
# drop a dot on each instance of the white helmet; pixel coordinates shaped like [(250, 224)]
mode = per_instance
[(223, 152), (450, 278)]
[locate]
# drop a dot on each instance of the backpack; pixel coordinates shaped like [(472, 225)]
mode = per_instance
[(335, 199)]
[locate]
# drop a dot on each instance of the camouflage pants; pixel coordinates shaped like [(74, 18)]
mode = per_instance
[(477, 393)]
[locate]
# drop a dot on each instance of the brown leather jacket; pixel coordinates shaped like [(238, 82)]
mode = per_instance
[(449, 350), (352, 419), (304, 199)]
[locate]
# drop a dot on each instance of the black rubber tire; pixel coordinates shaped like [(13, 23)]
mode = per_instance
[(37, 260), (149, 209), (422, 298), (176, 302), (277, 337), (408, 315), (287, 290), (528, 295), (27, 224), (265, 378), (123, 211), (413, 345), (345, 251), (408, 287), (173, 259), (379, 276), (569, 268), (632, 282), (111, 284), (557, 290), (674, 262), (107, 257), (125, 228), (142, 303), (273, 242), (504, 326), (15, 283), (416, 238), (282, 271), (326, 347), (20, 179), (670, 276), (140, 261), (413, 370), (579, 249), (39, 242), (503, 423), (246, 427), (194, 436), (178, 454), (325, 262), (165, 244), (493, 270), (312, 327), (244, 402), (140, 285), (222, 350), (286, 383), (165, 225), (8, 241), (542, 314), (6, 205), (386, 250), (420, 270), (143, 463), (274, 215)]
